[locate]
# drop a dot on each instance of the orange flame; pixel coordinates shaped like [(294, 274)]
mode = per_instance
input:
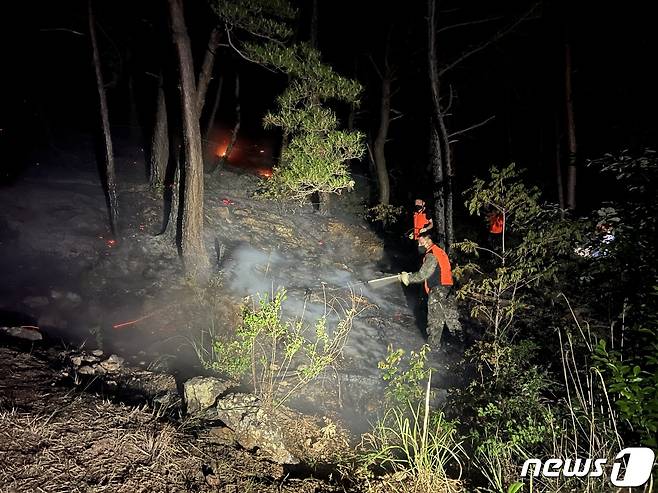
[(221, 150)]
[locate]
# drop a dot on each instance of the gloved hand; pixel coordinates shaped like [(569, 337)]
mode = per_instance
[(411, 235), (422, 230), (404, 278)]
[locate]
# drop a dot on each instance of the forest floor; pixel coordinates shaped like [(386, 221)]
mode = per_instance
[(64, 273)]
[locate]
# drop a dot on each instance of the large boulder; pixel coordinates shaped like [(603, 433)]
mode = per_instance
[(254, 427), (23, 332), (283, 435), (201, 393)]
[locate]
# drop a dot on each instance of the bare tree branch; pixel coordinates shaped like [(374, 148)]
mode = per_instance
[(468, 129), (469, 23), (498, 35), (63, 29)]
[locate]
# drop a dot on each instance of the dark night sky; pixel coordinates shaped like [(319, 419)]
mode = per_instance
[(519, 80)]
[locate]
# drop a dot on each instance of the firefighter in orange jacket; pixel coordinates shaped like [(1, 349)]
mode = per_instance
[(437, 276), (496, 226), (422, 223)]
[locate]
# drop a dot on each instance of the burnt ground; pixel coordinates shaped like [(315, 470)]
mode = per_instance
[(64, 272), (56, 438)]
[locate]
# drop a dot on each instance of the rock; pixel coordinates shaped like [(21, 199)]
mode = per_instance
[(254, 427), (36, 301), (202, 392), (90, 358), (113, 363), (97, 352), (159, 388), (222, 435), (26, 333), (86, 370), (76, 360)]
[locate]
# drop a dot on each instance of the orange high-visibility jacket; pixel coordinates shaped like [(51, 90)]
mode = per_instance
[(496, 223), (442, 275), (420, 221)]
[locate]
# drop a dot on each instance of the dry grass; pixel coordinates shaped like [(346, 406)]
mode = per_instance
[(92, 445), (55, 440)]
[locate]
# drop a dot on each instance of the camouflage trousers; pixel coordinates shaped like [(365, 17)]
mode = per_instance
[(441, 310)]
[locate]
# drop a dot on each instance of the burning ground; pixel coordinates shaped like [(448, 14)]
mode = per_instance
[(65, 274)]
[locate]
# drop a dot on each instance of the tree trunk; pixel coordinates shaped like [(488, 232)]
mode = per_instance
[(210, 145), (206, 70), (324, 203), (110, 178), (380, 141), (314, 25), (133, 117), (448, 177), (558, 163), (571, 131), (238, 116), (159, 141), (436, 139), (437, 182), (192, 246)]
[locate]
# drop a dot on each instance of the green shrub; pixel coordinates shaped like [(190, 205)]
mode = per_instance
[(278, 357)]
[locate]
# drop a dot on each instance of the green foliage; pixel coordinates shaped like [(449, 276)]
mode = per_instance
[(384, 214), (277, 353), (535, 239), (417, 448), (315, 160), (268, 19), (510, 415), (624, 281), (634, 382), (404, 375)]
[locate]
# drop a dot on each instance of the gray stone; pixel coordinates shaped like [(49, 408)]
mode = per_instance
[(201, 393), (26, 333), (97, 352), (254, 427), (86, 370), (113, 363), (76, 360)]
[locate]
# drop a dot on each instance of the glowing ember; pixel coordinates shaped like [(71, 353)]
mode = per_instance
[(221, 150), (132, 322), (111, 243), (265, 172)]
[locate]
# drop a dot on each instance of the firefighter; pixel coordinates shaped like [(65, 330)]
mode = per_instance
[(496, 226), (437, 276), (422, 223)]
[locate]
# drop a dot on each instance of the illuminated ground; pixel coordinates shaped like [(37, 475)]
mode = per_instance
[(65, 273)]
